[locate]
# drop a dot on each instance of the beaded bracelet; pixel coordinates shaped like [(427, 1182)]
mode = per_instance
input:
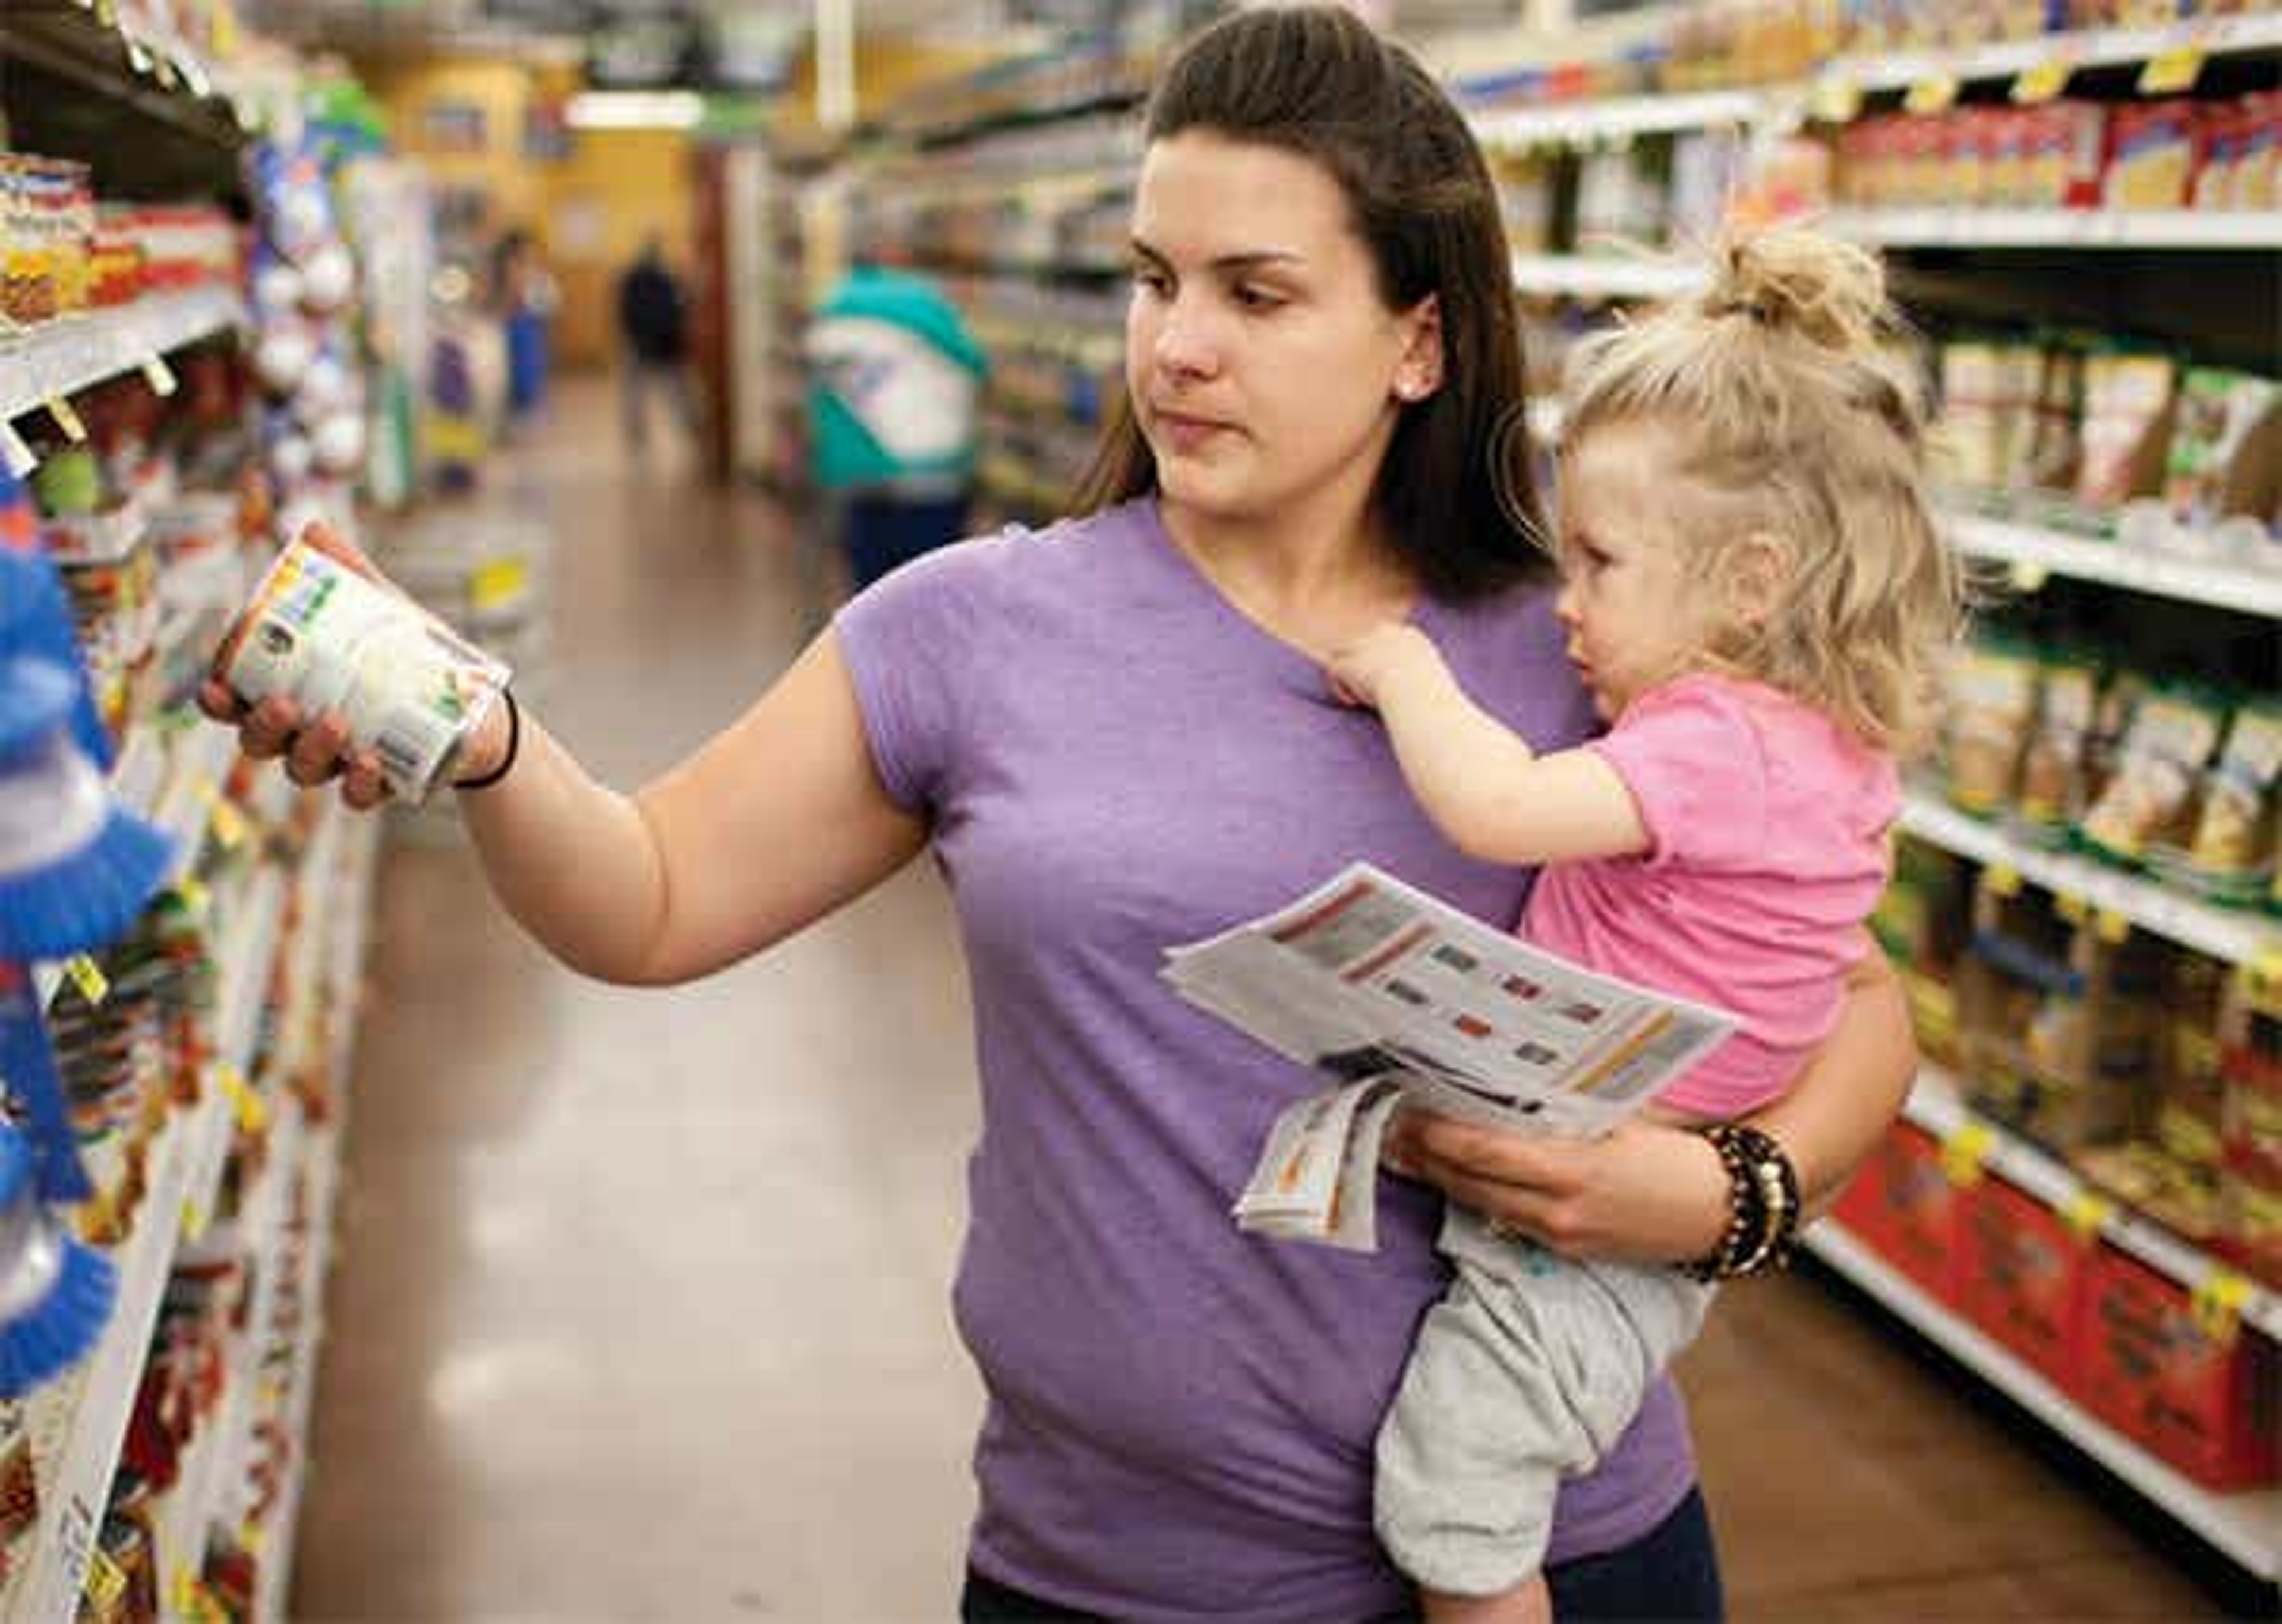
[(514, 745), (1763, 1205)]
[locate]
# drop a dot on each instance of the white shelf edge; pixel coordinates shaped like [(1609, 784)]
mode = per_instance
[(1937, 1105), (2136, 568), (72, 1517), (1581, 122), (276, 1576), (2215, 932), (59, 358), (2054, 228), (1601, 117), (2096, 48), (1586, 277), (2247, 1527)]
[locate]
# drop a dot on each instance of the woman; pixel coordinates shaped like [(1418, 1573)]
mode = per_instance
[(1116, 735)]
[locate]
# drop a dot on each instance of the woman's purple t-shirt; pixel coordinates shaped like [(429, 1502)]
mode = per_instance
[(1114, 759)]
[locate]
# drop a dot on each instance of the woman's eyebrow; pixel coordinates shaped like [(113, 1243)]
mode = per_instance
[(1245, 260)]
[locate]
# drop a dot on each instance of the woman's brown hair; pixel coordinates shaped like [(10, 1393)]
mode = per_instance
[(1315, 81)]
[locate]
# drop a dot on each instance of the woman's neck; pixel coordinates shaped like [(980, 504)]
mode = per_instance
[(1312, 582)]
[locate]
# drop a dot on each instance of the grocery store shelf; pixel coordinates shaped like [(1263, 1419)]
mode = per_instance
[(1586, 122), (142, 65), (2216, 932), (2052, 228), (1585, 277), (59, 358), (1937, 1106), (2137, 569), (2102, 48), (70, 1513), (2247, 1527)]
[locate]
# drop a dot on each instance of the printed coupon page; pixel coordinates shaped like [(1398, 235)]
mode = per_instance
[(1397, 998), (1368, 977)]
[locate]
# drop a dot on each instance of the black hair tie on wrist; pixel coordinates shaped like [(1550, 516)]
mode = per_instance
[(513, 748), (1763, 1205)]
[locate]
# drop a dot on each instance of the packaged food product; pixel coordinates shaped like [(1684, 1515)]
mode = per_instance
[(2152, 150), (2055, 768), (2232, 855), (325, 635), (2127, 403), (2173, 735), (1992, 695), (2226, 441), (2064, 146)]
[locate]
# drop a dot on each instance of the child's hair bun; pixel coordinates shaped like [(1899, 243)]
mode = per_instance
[(1831, 292)]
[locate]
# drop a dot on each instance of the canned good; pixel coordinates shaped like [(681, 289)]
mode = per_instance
[(329, 637)]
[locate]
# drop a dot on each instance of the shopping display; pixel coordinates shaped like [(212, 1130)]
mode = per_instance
[(179, 944)]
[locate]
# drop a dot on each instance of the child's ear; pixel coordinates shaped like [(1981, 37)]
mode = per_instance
[(1759, 570)]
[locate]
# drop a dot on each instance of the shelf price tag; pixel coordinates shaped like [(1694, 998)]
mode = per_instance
[(1935, 93), (196, 898), (2112, 927), (19, 457), (2044, 80), (106, 1580), (2218, 1304), (1835, 99), (88, 976), (253, 1115), (228, 823), (1964, 1152), (2027, 575), (2072, 908), (2264, 975), (67, 419), (2173, 72), (2086, 1213), (160, 377), (2002, 879), (499, 583)]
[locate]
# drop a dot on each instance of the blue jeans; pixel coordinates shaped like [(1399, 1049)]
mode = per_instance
[(1669, 1575)]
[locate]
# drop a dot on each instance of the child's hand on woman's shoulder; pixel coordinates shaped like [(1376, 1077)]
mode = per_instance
[(1364, 672)]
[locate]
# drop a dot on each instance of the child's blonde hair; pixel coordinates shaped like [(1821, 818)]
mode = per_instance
[(1806, 434)]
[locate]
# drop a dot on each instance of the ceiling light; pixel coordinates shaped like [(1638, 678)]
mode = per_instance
[(635, 110)]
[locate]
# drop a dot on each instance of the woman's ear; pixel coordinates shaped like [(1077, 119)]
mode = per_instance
[(1418, 374)]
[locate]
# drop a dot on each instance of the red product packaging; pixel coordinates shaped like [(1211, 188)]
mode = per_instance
[(2152, 148), (1912, 1217), (2064, 146), (2197, 1389), (2020, 1273)]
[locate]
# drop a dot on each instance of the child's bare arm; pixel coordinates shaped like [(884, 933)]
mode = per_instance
[(1491, 795)]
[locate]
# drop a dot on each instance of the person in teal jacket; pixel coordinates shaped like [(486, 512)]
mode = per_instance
[(896, 382)]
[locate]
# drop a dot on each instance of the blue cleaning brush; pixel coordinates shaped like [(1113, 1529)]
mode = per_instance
[(56, 1292), (36, 1089), (36, 619), (76, 869)]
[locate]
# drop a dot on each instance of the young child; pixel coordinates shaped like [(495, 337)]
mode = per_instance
[(1756, 595)]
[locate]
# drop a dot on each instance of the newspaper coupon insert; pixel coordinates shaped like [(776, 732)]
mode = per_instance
[(1399, 999)]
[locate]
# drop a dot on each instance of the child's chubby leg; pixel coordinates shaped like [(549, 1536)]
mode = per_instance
[(1527, 1603), (1523, 1375)]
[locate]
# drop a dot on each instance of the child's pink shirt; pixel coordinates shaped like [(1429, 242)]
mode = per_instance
[(1767, 824)]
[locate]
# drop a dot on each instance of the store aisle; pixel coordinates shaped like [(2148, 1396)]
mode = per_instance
[(642, 1306)]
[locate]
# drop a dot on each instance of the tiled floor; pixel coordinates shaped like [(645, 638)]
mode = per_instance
[(641, 1305)]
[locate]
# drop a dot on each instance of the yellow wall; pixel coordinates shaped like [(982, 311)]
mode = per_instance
[(621, 187), (589, 213)]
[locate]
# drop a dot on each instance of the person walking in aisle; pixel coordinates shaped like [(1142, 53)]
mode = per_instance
[(654, 324), (892, 417), (1114, 735)]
